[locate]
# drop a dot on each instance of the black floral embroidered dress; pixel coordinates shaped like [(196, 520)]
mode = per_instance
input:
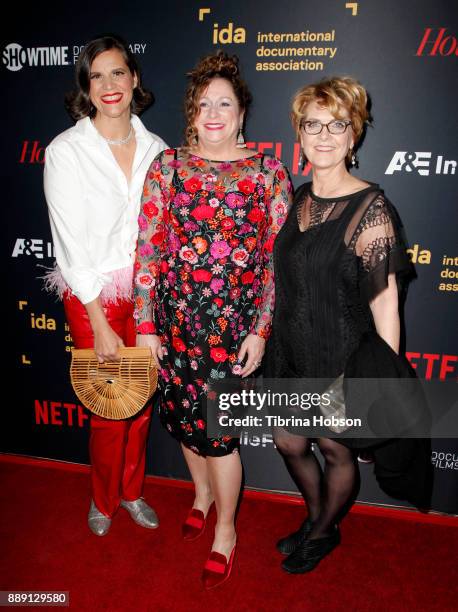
[(204, 274)]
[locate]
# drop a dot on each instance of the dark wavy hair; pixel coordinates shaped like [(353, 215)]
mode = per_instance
[(218, 65), (78, 102)]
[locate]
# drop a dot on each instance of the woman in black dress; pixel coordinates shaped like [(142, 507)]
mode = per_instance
[(336, 260)]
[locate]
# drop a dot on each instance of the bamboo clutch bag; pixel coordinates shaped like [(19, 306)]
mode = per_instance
[(116, 389)]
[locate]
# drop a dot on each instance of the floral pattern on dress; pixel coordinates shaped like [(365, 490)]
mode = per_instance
[(204, 274)]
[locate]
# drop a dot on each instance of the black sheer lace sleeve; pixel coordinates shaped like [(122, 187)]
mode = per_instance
[(380, 244)]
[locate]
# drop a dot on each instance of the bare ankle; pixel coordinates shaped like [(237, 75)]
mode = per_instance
[(203, 500)]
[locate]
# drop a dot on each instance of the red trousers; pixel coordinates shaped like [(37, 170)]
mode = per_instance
[(117, 448)]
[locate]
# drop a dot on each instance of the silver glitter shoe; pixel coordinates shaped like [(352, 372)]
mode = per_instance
[(98, 522), (141, 513)]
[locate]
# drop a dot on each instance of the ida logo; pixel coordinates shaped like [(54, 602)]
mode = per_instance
[(33, 246), (228, 35), (420, 162)]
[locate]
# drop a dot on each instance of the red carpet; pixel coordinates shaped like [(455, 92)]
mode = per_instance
[(384, 564)]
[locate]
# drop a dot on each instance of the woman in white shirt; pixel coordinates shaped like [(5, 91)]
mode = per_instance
[(93, 180)]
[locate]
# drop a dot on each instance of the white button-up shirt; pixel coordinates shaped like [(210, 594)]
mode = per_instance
[(93, 210)]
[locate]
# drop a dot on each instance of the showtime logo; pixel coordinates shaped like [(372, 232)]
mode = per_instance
[(16, 57), (33, 246), (437, 43), (421, 162)]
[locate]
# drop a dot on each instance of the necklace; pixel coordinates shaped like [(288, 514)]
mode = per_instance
[(118, 141)]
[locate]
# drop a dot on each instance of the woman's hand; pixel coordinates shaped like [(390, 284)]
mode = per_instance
[(106, 341), (106, 344), (154, 343), (252, 348)]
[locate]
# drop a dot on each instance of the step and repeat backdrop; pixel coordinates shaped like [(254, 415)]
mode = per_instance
[(405, 53)]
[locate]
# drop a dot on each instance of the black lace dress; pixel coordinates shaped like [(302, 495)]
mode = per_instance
[(332, 256)]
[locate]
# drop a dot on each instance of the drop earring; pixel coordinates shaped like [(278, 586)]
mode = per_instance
[(354, 160), (240, 140), (300, 163)]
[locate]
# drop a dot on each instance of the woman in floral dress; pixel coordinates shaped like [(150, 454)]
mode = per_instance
[(204, 282)]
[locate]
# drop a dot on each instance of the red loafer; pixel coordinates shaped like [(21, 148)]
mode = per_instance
[(217, 569), (194, 525)]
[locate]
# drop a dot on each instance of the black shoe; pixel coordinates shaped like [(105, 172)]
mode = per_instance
[(309, 553), (287, 545)]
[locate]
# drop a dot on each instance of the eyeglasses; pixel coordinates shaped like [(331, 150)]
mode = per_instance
[(337, 126)]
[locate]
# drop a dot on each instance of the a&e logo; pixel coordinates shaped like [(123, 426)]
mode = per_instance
[(33, 246), (421, 162)]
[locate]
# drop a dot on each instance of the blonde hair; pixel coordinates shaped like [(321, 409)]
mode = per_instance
[(335, 94)]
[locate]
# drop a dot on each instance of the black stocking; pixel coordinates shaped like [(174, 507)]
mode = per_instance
[(303, 467), (340, 474)]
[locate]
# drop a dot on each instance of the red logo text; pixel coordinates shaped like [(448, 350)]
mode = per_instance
[(436, 43), (60, 414)]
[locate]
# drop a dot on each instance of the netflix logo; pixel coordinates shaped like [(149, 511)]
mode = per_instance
[(435, 42), (433, 365), (276, 148), (32, 152), (61, 414)]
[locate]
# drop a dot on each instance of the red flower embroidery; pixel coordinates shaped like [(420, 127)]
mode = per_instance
[(192, 185), (150, 209), (146, 328), (247, 278), (200, 424), (246, 186), (219, 354), (269, 243), (227, 224), (203, 211), (218, 302), (178, 344), (255, 215), (158, 237), (201, 276)]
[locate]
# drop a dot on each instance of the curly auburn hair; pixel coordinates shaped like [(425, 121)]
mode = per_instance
[(78, 103), (335, 94), (219, 65)]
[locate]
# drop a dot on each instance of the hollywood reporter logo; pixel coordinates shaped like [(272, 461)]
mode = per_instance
[(437, 43), (420, 162)]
